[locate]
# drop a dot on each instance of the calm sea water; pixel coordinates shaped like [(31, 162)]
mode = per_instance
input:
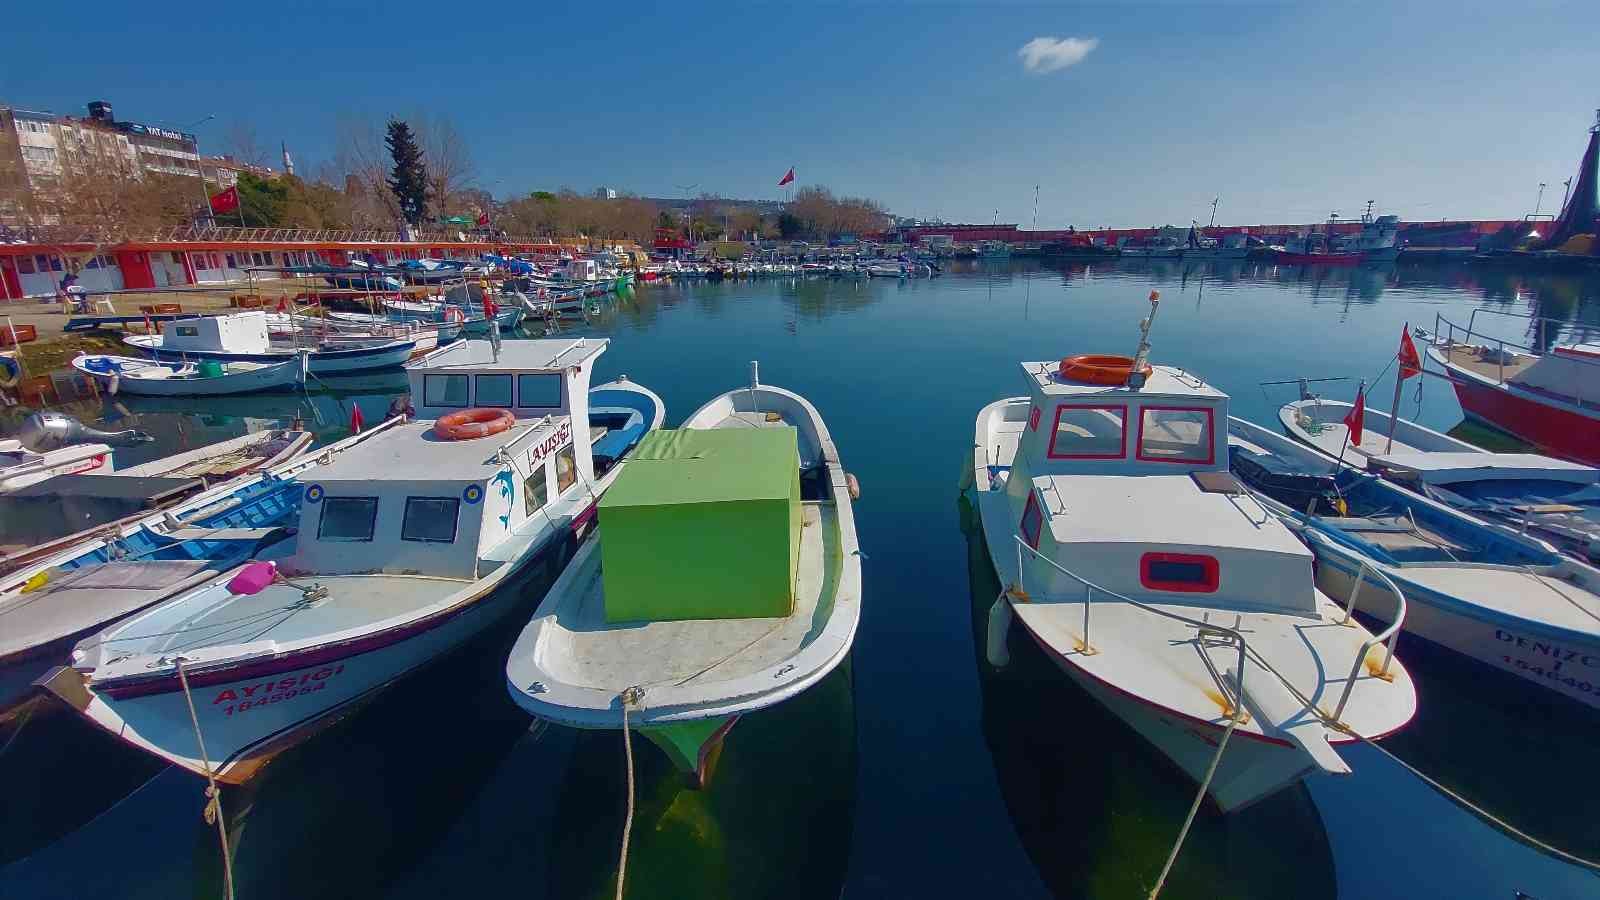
[(917, 770)]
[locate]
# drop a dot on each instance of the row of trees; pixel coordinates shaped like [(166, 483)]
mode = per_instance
[(417, 170)]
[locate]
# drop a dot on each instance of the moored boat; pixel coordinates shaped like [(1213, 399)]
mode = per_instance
[(1132, 557), (725, 578), (408, 544), (1486, 591), (208, 378), (244, 337)]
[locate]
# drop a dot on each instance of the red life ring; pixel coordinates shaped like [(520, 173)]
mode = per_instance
[(1091, 369), (471, 424), (454, 314)]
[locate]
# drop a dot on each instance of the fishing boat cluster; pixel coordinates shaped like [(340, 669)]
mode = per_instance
[(1235, 593)]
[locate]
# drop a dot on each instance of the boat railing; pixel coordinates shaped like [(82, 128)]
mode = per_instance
[(1386, 637), (1205, 628), (1447, 334)]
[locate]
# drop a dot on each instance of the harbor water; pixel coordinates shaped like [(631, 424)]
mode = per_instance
[(917, 770)]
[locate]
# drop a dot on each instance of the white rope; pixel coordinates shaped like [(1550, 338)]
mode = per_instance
[(213, 810), (628, 697), (1194, 808)]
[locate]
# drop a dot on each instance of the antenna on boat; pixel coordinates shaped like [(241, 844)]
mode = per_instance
[(755, 382), (1142, 356)]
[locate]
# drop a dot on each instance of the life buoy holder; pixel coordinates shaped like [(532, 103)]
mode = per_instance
[(1092, 369), (471, 424)]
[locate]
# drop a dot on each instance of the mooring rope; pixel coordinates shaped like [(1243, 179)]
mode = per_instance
[(1199, 797), (213, 810), (628, 697), (26, 717)]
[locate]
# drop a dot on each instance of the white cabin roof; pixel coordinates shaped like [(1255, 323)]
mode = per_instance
[(537, 355), (1165, 382), (1156, 509), (410, 452)]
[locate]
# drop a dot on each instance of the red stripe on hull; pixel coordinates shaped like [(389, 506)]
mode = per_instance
[(1556, 431)]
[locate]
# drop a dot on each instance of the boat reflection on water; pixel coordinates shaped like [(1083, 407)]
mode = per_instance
[(1098, 808), (774, 821)]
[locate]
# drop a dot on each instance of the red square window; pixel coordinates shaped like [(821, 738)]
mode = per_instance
[(1033, 419), (1089, 432), (1032, 521), (1186, 573), (1176, 434)]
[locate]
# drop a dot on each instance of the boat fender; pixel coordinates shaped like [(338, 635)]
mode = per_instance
[(471, 424), (852, 485), (1095, 369), (995, 648)]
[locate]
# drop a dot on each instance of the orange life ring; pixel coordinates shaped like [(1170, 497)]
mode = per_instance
[(471, 424), (1091, 369), (454, 314)]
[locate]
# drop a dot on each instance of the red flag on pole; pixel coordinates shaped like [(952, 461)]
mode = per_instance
[(355, 419), (225, 202), (788, 178), (283, 304), (1410, 363), (1357, 417), (483, 220)]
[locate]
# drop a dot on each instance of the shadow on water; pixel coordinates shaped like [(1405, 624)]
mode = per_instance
[(775, 820), (1097, 808)]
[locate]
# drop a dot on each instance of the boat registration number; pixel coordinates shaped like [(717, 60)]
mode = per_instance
[(255, 696)]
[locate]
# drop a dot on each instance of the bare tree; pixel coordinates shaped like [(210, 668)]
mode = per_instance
[(240, 142), (449, 159)]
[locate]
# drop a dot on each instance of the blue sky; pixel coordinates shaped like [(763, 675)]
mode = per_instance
[(1286, 111)]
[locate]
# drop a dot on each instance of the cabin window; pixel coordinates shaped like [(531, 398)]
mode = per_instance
[(1175, 434), (1187, 573), (1089, 432), (491, 390), (1033, 419), (347, 519), (1032, 521), (25, 265), (444, 390), (535, 491), (187, 331), (539, 391), (430, 520), (566, 469)]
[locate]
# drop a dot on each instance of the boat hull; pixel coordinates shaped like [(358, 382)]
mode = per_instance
[(269, 705), (1251, 769), (323, 362), (1558, 431), (1566, 664), (1283, 257), (277, 376)]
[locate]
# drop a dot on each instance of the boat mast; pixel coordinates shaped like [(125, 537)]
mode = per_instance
[(1214, 203), (1142, 356)]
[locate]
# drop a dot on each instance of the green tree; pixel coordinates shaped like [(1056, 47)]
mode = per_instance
[(409, 178), (261, 201)]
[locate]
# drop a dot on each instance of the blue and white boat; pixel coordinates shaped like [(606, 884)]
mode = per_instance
[(409, 543), (244, 337), (1501, 597)]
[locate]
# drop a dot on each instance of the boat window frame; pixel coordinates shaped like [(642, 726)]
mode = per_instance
[(372, 521), (1032, 506), (427, 395), (511, 387), (455, 520), (1210, 569), (1033, 418), (560, 390), (542, 473), (570, 452), (1055, 430), (1210, 442)]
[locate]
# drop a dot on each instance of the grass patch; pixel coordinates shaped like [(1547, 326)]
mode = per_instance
[(47, 355)]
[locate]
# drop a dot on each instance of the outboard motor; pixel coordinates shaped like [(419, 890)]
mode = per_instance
[(52, 430)]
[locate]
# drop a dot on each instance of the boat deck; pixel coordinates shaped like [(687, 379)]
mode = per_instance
[(584, 649), (1478, 361), (1525, 593), (215, 618)]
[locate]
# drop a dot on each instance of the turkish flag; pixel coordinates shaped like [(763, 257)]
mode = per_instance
[(355, 419), (787, 178), (483, 220), (1410, 363), (1357, 417), (225, 202)]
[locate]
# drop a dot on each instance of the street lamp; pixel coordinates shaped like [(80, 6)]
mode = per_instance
[(1540, 202), (200, 167)]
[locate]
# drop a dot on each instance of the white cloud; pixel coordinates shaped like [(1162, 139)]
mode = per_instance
[(1044, 55)]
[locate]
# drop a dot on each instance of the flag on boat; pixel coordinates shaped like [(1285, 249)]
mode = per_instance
[(226, 202), (283, 304), (355, 418), (788, 178), (1410, 363), (483, 220), (1357, 416)]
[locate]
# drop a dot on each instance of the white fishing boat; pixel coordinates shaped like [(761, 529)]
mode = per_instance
[(244, 337), (725, 578), (408, 544), (1552, 499), (208, 378), (1489, 592), (20, 467), (1147, 574)]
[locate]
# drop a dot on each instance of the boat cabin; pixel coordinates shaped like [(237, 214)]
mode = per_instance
[(411, 502), (1129, 487), (244, 332)]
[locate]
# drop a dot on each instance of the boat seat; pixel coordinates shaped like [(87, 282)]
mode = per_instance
[(615, 443), (1363, 524), (222, 534)]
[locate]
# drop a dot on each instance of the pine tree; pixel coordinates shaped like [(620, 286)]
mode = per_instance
[(409, 180)]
